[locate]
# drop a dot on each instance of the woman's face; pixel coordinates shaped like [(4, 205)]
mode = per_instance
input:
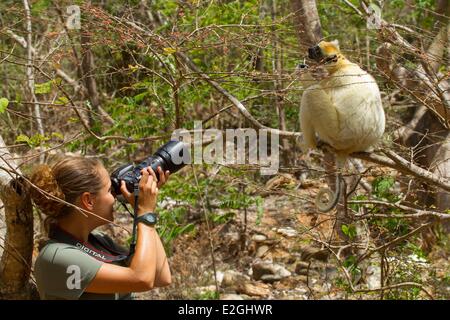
[(104, 200)]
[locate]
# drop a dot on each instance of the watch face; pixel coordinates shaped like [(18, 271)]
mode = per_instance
[(151, 218)]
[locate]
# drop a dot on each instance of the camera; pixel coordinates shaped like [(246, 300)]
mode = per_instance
[(172, 156)]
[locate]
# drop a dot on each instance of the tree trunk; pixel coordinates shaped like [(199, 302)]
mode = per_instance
[(306, 22), (30, 74), (16, 260)]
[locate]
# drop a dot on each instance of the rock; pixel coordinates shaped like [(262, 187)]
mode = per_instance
[(219, 276), (302, 278), (232, 236), (303, 272), (261, 251), (287, 232), (230, 296), (259, 238), (330, 273), (232, 278), (308, 183), (326, 286), (270, 278), (301, 265), (280, 180), (288, 283), (308, 253), (373, 276), (269, 272), (254, 289), (281, 255)]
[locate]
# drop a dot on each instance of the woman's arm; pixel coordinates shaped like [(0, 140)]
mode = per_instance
[(139, 276), (163, 275), (149, 253)]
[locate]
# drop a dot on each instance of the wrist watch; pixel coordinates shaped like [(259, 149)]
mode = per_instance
[(149, 218)]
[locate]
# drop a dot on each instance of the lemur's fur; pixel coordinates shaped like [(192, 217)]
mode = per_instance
[(344, 110)]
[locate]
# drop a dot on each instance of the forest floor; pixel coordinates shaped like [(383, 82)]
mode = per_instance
[(276, 259)]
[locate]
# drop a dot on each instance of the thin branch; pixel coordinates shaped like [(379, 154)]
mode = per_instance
[(418, 171), (404, 166), (419, 213)]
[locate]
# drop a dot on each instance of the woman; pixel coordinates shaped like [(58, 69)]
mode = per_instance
[(64, 268)]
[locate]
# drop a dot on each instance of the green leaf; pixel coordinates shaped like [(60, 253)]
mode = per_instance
[(187, 228), (382, 186), (22, 138), (3, 104), (169, 50), (57, 135), (37, 140), (43, 88), (62, 101), (33, 141), (344, 229), (349, 231)]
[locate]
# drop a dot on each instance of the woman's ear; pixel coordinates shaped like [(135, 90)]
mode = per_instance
[(87, 200)]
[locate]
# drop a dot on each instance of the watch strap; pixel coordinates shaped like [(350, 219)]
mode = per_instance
[(149, 218)]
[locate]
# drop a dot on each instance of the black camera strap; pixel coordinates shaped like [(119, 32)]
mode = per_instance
[(60, 235), (133, 236)]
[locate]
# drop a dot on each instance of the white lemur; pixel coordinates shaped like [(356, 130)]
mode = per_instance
[(344, 109)]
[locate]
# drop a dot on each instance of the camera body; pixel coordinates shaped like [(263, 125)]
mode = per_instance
[(172, 156)]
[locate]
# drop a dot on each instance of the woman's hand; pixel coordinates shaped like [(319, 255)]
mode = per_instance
[(163, 177), (148, 191)]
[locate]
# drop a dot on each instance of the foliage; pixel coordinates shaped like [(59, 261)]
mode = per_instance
[(349, 231), (3, 104)]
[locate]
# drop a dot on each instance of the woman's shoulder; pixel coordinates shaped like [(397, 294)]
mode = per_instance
[(51, 248)]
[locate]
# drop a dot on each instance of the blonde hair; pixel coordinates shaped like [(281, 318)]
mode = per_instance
[(67, 179)]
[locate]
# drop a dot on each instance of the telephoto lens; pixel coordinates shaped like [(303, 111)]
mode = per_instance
[(172, 156)]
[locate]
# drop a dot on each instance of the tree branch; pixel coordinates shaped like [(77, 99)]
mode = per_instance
[(404, 166)]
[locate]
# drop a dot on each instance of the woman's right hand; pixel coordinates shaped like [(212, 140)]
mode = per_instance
[(148, 192)]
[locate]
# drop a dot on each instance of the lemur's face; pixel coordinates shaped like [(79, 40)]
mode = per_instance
[(324, 51)]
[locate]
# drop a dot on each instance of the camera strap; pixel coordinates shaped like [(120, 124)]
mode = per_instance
[(87, 247), (133, 236)]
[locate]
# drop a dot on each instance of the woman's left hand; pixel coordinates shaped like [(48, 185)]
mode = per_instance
[(163, 177)]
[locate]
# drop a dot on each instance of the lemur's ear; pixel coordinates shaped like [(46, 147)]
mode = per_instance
[(335, 43)]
